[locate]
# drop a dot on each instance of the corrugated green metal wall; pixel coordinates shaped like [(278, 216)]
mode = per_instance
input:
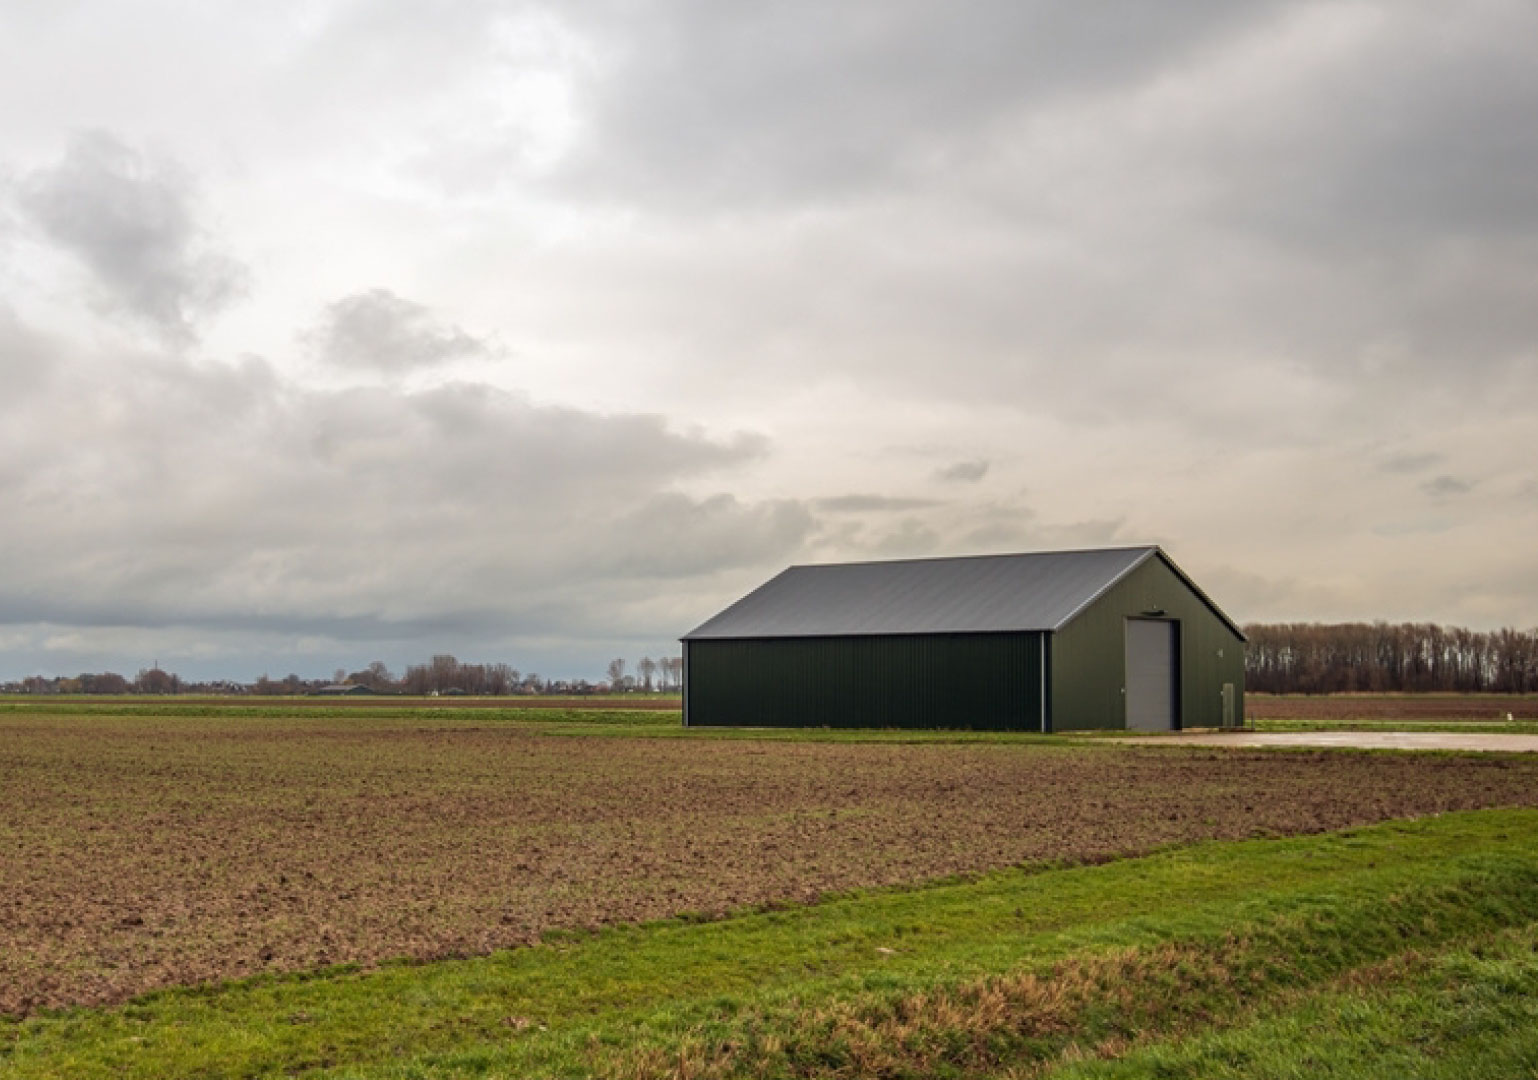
[(1088, 656), (979, 681)]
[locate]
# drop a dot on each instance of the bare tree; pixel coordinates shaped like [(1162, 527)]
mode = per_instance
[(155, 681), (417, 680), (445, 672), (1310, 658), (108, 682), (616, 674), (647, 668), (500, 679)]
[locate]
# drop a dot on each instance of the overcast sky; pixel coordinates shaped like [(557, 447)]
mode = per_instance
[(334, 332)]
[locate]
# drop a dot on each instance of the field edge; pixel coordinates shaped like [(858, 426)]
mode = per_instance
[(656, 988)]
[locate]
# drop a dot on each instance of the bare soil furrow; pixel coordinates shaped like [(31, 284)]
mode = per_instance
[(133, 858)]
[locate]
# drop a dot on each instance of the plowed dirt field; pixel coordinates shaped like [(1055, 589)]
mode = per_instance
[(138, 853)]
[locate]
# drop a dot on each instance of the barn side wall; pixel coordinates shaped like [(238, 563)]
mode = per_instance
[(1088, 656), (978, 681)]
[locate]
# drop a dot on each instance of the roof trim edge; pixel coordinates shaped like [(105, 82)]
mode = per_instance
[(1197, 589), (1094, 597), (1177, 571)]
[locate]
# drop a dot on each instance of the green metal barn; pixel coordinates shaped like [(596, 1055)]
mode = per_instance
[(1116, 638)]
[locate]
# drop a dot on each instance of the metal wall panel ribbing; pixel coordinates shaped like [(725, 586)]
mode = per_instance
[(1088, 664), (979, 681)]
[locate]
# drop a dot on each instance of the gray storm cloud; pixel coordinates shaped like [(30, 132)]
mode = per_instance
[(1445, 485), (233, 498), (1099, 210), (381, 331), (869, 504), (806, 102), (962, 472), (131, 224)]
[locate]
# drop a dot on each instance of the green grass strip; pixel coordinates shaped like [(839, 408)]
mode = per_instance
[(1469, 1014), (139, 715), (1314, 905), (117, 717)]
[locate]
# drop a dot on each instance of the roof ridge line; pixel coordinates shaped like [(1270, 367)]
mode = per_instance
[(980, 555)]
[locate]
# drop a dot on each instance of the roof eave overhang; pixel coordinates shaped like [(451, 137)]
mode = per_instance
[(991, 631)]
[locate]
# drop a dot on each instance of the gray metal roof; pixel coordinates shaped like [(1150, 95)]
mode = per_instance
[(978, 594)]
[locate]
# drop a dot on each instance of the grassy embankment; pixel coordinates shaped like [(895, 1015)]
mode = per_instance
[(1470, 1013), (1334, 949)]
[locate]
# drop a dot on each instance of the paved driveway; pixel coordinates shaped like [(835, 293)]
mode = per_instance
[(1359, 740)]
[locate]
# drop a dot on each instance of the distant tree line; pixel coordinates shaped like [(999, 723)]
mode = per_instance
[(664, 675), (153, 680), (1312, 658), (443, 674)]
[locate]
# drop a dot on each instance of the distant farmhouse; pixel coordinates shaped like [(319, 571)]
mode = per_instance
[(1116, 638)]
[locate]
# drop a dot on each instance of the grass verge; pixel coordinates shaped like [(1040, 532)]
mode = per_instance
[(1468, 1014), (1012, 970)]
